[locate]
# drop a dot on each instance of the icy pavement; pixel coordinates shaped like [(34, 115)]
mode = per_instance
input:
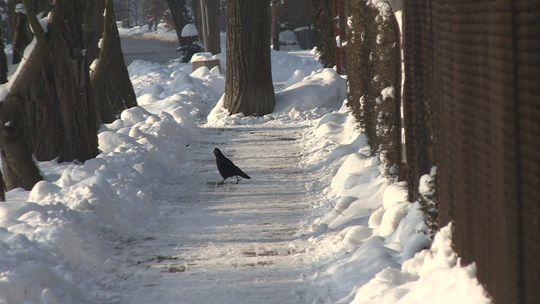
[(231, 243)]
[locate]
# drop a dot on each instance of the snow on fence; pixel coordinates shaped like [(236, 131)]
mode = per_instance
[(471, 97)]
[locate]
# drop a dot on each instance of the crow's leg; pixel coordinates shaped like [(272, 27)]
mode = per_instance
[(236, 179), (221, 183)]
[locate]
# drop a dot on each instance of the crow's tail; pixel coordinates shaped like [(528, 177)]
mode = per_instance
[(242, 174)]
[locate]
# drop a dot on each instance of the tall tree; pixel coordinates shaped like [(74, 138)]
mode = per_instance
[(4, 24), (21, 34), (248, 87), (93, 24), (2, 188), (111, 97), (181, 16), (49, 109), (3, 63), (324, 29), (207, 19)]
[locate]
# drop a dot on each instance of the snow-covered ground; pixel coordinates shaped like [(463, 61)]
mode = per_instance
[(146, 222)]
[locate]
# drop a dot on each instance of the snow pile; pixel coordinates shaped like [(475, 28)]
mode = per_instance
[(59, 228), (142, 32), (432, 276), (55, 239), (284, 64), (159, 87), (322, 89), (366, 230), (204, 56), (189, 30), (316, 94)]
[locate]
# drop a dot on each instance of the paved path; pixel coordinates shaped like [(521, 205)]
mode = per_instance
[(231, 243), (149, 50)]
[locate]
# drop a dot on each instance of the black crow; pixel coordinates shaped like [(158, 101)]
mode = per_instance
[(227, 168)]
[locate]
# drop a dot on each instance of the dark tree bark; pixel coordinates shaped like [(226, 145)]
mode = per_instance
[(21, 37), (11, 14), (17, 162), (50, 106), (197, 15), (248, 87), (3, 63), (93, 27), (180, 15), (208, 22), (5, 28), (2, 188), (324, 29), (61, 115), (110, 79)]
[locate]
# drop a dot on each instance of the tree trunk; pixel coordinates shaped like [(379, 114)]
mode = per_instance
[(17, 162), (180, 15), (324, 28), (197, 16), (2, 188), (60, 117), (249, 88), (209, 22), (93, 28), (3, 63), (68, 130), (21, 37), (110, 79)]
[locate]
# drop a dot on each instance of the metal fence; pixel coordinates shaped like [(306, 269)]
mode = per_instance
[(472, 107)]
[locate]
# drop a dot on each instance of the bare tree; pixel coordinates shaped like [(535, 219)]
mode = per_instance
[(249, 88)]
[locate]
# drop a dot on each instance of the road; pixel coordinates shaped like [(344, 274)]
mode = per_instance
[(149, 50)]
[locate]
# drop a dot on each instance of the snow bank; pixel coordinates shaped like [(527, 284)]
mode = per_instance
[(55, 240), (174, 85), (322, 89), (432, 276), (284, 64), (321, 92), (371, 245)]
